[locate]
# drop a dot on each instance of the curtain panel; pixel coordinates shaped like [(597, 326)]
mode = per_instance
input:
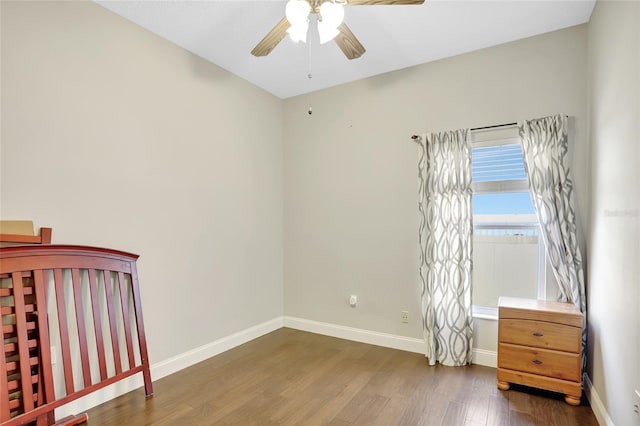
[(445, 238), (545, 146)]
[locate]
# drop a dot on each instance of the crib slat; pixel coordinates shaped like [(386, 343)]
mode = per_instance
[(43, 327), (4, 292), (8, 310), (82, 328), (97, 323), (14, 384), (4, 391), (23, 341), (142, 339), (124, 301), (35, 379), (42, 420), (13, 347), (64, 331), (115, 345), (14, 404), (10, 328)]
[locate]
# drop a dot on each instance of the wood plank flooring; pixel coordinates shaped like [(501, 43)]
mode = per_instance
[(290, 377)]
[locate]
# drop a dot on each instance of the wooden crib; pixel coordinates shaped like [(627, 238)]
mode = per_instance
[(83, 301)]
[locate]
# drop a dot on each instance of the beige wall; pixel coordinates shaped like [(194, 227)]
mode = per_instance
[(118, 138), (351, 175), (613, 285)]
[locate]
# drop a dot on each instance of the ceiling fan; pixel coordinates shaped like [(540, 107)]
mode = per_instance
[(330, 26)]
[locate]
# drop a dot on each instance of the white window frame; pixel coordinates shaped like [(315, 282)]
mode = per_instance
[(511, 221)]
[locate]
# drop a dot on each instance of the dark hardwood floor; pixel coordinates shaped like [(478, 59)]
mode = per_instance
[(290, 377)]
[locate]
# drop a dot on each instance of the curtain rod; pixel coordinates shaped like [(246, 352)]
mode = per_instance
[(414, 137), (493, 127)]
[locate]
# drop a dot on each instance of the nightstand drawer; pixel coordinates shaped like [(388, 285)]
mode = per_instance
[(540, 334), (561, 365)]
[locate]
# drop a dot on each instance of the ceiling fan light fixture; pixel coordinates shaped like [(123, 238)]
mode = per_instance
[(331, 13), (299, 32), (326, 32), (331, 16), (297, 12)]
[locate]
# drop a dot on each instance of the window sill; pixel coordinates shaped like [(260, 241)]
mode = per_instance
[(485, 313)]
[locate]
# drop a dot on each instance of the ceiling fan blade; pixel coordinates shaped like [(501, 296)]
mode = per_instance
[(348, 43), (271, 40), (382, 2)]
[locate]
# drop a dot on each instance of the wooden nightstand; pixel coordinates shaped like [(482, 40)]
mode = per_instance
[(539, 345)]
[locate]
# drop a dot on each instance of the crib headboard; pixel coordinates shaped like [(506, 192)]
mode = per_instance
[(85, 301)]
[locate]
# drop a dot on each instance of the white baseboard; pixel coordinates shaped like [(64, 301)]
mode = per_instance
[(194, 356), (596, 403), (484, 357), (394, 341), (169, 366)]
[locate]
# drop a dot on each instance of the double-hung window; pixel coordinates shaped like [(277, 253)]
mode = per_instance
[(508, 255)]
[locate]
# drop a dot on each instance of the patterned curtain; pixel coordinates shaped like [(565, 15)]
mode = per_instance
[(544, 147), (445, 237)]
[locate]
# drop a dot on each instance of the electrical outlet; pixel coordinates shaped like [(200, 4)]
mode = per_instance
[(404, 316), (636, 404)]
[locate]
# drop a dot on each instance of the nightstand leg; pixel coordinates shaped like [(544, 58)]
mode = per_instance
[(503, 385), (572, 400)]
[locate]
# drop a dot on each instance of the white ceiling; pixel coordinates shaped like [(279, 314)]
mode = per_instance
[(224, 32)]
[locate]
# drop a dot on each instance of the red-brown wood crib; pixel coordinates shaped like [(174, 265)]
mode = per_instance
[(83, 300)]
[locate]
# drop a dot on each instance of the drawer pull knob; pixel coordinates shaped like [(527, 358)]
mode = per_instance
[(538, 334), (537, 362)]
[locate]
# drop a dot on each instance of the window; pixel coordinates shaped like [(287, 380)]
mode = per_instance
[(508, 256)]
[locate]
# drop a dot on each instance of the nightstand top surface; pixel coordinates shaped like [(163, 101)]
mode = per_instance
[(507, 306)]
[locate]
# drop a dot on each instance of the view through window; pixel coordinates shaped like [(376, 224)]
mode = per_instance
[(508, 256)]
